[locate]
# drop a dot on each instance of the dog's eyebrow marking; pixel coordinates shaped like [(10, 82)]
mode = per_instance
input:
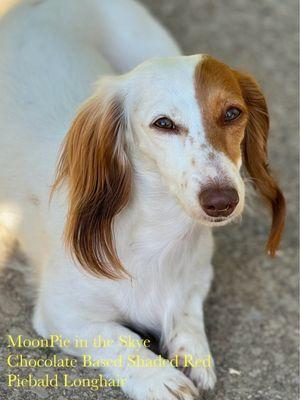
[(193, 161), (216, 85)]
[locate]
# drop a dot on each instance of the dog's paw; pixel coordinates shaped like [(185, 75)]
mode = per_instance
[(164, 384), (203, 377), (195, 361)]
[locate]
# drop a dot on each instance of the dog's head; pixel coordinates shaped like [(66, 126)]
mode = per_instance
[(197, 120)]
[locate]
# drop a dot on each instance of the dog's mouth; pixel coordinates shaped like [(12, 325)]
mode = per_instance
[(219, 221), (216, 221), (222, 220)]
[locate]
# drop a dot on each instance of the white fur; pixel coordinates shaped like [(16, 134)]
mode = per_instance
[(51, 53)]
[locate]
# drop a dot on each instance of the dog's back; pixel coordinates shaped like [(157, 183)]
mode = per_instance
[(51, 54)]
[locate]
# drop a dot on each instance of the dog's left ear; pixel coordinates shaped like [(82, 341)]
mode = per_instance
[(96, 168), (256, 159)]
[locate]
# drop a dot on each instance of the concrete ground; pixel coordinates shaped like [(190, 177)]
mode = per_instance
[(252, 310)]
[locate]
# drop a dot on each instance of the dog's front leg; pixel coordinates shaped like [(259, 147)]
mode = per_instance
[(186, 340), (139, 381)]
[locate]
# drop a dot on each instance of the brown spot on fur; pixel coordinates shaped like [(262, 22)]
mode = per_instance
[(219, 87), (193, 161), (187, 390), (191, 139), (175, 394), (182, 390), (183, 130)]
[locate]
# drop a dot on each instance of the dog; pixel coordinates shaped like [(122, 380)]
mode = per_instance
[(149, 160)]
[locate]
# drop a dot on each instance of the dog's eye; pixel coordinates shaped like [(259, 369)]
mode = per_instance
[(164, 123), (232, 113)]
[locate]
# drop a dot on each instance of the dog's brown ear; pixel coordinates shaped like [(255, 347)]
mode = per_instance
[(256, 158), (95, 165)]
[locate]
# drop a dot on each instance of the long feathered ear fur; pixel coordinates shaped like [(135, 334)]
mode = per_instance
[(256, 158), (95, 165)]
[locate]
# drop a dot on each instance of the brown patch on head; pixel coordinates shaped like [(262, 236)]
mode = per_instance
[(218, 89), (193, 161)]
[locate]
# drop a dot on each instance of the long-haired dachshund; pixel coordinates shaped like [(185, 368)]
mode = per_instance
[(149, 164)]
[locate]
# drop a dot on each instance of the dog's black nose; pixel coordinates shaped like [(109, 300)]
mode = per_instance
[(218, 202)]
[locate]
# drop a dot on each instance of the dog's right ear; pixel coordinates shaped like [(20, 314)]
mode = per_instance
[(256, 158), (94, 163)]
